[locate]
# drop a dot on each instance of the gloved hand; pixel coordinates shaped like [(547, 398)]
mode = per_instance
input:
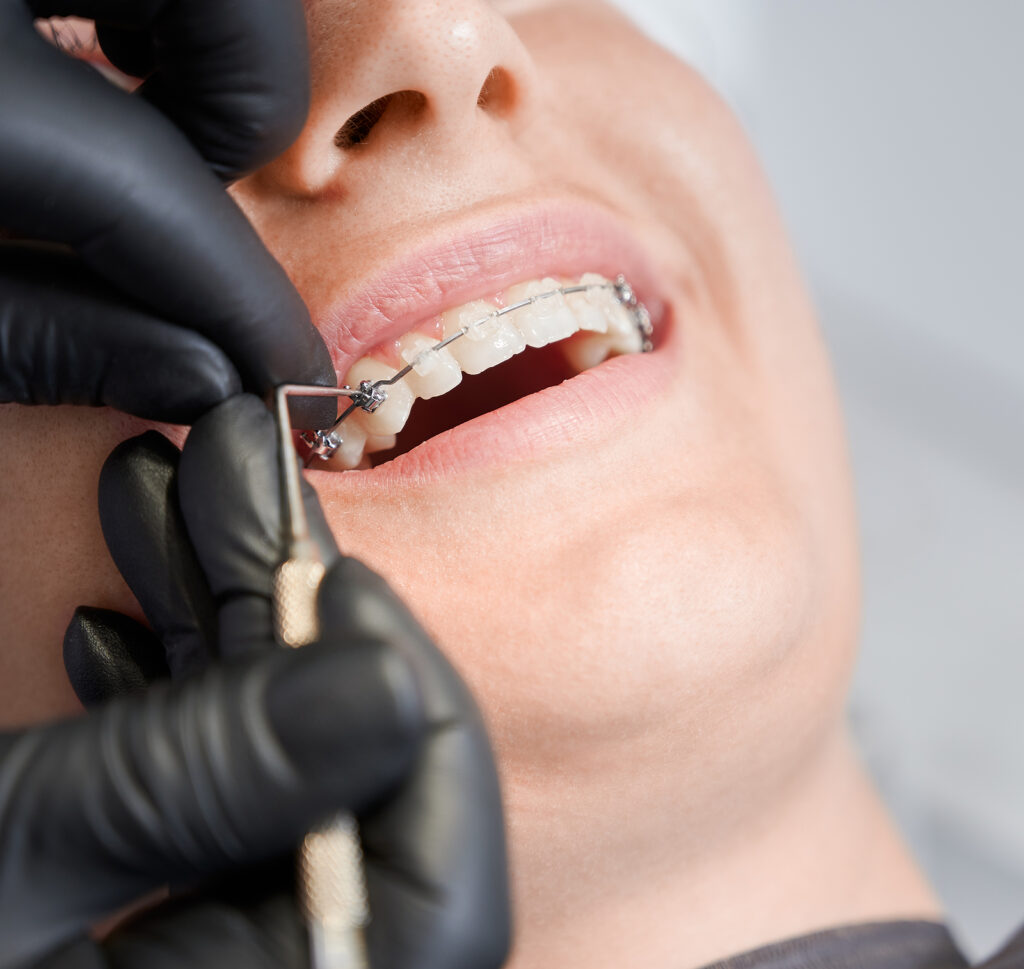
[(158, 297), (198, 540), (185, 783)]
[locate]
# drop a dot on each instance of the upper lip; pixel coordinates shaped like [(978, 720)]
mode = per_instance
[(475, 257)]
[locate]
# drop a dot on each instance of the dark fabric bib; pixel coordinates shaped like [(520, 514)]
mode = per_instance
[(883, 945)]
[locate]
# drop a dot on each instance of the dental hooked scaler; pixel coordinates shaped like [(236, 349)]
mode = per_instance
[(331, 884)]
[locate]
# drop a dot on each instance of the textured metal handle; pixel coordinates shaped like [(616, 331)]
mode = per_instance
[(333, 894), (331, 886), (296, 582)]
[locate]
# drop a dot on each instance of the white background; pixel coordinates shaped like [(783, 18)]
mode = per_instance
[(893, 131)]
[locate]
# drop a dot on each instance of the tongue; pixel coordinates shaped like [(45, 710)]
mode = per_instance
[(524, 374)]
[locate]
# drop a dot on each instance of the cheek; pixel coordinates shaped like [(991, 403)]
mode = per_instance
[(53, 557)]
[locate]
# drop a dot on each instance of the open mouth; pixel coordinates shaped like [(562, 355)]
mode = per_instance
[(476, 358)]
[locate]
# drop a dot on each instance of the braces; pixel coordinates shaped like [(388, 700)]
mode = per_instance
[(369, 395)]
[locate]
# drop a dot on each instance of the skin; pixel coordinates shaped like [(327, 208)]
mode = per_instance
[(662, 653)]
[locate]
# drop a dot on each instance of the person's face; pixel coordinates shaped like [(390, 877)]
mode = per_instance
[(642, 573), (611, 561)]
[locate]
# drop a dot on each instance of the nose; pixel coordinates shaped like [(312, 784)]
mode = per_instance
[(402, 76)]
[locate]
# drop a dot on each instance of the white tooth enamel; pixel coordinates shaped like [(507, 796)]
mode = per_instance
[(380, 442), (546, 320), (622, 335), (350, 453), (620, 320), (585, 307), (391, 416), (487, 343), (612, 327), (434, 372), (587, 350), (623, 332)]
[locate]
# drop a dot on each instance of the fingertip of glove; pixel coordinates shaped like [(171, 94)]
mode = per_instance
[(353, 596), (148, 450), (185, 375), (107, 654), (349, 576), (241, 417), (234, 442), (198, 376), (143, 465)]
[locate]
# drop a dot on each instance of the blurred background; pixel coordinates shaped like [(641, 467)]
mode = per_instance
[(893, 132)]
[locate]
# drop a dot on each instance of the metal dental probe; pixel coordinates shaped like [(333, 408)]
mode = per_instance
[(331, 884)]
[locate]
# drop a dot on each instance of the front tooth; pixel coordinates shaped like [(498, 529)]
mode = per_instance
[(489, 339), (353, 440), (585, 306), (434, 372), (391, 416), (546, 320)]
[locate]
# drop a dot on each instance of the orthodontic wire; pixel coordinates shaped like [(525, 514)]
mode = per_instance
[(619, 287), (371, 394)]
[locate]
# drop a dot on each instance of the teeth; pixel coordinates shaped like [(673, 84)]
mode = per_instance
[(380, 442), (489, 339), (614, 331), (596, 321), (353, 442), (391, 416), (623, 335), (587, 307), (434, 372), (545, 320), (588, 350)]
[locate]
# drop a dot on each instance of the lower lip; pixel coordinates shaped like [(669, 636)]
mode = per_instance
[(575, 415)]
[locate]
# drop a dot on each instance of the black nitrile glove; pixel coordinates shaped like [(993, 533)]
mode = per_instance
[(198, 540), (149, 291), (188, 782)]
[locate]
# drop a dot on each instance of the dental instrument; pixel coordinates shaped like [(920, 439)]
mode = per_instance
[(331, 884)]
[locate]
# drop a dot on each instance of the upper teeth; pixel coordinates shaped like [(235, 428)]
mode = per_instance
[(477, 336)]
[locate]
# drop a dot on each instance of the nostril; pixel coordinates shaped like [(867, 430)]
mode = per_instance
[(498, 93), (400, 105), (357, 129)]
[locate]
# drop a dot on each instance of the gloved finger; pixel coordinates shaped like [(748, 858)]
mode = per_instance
[(108, 654), (147, 538), (85, 164), (200, 933), (130, 49), (231, 498), (68, 338), (440, 867), (186, 782), (233, 76), (253, 920)]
